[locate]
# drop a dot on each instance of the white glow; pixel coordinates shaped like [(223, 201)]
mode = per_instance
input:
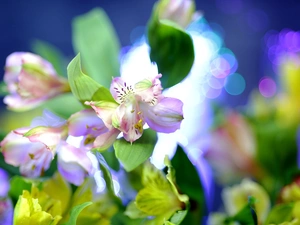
[(136, 65)]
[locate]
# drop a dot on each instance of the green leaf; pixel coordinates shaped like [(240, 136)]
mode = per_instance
[(178, 217), (246, 216), (51, 54), (171, 48), (94, 37), (132, 155), (17, 185), (280, 213), (76, 210), (190, 185), (63, 105), (84, 87), (111, 159), (3, 89)]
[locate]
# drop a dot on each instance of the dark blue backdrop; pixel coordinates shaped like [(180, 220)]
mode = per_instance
[(243, 22)]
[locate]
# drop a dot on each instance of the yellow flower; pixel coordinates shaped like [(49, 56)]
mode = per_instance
[(37, 208)]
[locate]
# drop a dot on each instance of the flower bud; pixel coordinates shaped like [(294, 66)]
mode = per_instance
[(31, 80), (178, 11)]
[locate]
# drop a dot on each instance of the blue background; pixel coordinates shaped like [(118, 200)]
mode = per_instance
[(22, 22)]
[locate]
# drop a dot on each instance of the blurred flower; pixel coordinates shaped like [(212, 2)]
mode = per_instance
[(178, 11), (6, 211), (291, 192), (287, 102), (37, 208), (136, 105), (236, 197), (231, 150), (31, 80), (4, 181)]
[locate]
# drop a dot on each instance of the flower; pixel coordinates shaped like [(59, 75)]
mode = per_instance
[(33, 148), (31, 80), (37, 208), (33, 158), (136, 105), (159, 198), (231, 150), (236, 197), (178, 11)]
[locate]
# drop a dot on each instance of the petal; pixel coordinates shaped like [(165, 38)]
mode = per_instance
[(104, 141), (73, 163), (149, 90), (38, 85), (119, 88), (49, 136), (16, 103), (86, 122), (130, 121), (166, 116), (104, 110), (40, 159)]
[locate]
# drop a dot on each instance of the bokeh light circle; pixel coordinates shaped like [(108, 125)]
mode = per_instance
[(235, 84), (267, 87)]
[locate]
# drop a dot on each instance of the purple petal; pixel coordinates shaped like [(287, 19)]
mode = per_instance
[(166, 116), (86, 122), (73, 163), (48, 119)]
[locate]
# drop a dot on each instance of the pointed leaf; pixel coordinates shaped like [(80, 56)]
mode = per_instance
[(94, 37), (132, 155), (84, 87), (76, 211)]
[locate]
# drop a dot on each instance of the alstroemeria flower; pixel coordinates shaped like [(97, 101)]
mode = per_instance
[(33, 148), (32, 158), (31, 80), (136, 105)]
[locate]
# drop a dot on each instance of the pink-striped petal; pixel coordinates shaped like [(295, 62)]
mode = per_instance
[(104, 110), (104, 141)]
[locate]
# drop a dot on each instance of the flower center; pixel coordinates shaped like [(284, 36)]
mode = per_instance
[(126, 94)]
